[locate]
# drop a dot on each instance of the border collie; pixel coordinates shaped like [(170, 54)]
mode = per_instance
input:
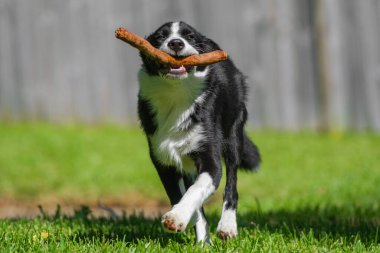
[(192, 117)]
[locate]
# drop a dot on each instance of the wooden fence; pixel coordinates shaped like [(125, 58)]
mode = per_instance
[(310, 63)]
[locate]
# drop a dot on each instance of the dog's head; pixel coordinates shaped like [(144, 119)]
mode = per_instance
[(179, 40)]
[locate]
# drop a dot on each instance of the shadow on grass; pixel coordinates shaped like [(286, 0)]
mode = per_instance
[(126, 228), (349, 224)]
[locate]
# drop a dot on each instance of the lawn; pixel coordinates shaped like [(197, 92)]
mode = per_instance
[(314, 192)]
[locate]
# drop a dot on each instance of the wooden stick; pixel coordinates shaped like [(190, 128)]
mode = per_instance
[(146, 48)]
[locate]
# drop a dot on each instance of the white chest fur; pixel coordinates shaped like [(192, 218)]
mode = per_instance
[(173, 101)]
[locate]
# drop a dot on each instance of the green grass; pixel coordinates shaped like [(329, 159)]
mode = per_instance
[(310, 230), (314, 192)]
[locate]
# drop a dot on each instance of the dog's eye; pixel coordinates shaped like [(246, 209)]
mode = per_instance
[(160, 37), (190, 36)]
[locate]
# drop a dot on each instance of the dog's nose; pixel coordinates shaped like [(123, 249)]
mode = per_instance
[(176, 45)]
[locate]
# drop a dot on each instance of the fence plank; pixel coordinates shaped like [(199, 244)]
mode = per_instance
[(309, 63), (369, 37)]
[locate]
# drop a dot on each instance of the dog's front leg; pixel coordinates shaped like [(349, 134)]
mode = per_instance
[(177, 219), (210, 171)]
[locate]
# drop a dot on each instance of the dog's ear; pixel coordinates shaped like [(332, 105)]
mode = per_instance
[(150, 38), (159, 36), (209, 45)]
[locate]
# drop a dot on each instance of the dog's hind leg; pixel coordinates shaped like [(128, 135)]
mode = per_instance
[(227, 226), (201, 228)]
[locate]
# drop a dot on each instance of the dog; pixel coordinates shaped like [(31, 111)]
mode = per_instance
[(194, 117)]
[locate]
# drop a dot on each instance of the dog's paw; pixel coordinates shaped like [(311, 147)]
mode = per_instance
[(224, 235), (227, 229), (173, 222)]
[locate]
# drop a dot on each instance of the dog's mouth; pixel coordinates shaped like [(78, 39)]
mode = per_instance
[(176, 72)]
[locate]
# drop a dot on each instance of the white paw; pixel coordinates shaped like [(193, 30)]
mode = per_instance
[(174, 222), (226, 231), (227, 226)]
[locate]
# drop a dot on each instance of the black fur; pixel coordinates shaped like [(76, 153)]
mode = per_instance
[(222, 115)]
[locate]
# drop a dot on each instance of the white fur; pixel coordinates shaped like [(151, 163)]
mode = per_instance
[(202, 74), (173, 101), (201, 228), (187, 50), (227, 223), (175, 28), (191, 201)]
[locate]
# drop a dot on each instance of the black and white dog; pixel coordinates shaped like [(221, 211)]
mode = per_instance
[(194, 116)]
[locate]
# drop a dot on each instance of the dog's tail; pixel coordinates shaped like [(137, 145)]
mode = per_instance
[(250, 158)]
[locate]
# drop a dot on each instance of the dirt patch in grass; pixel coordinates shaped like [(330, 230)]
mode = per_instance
[(102, 207)]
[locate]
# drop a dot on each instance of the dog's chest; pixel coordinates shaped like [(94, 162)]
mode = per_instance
[(173, 102)]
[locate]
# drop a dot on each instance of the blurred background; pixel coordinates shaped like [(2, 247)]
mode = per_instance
[(311, 64), (68, 94)]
